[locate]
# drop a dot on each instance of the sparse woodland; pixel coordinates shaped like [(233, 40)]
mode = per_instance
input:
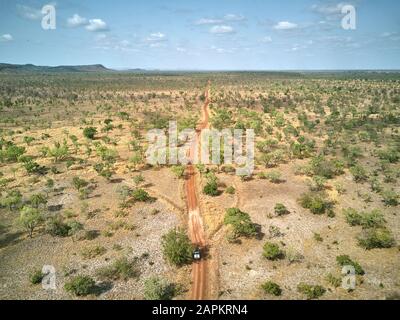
[(76, 191)]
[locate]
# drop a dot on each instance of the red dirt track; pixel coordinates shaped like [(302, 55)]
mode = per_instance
[(196, 228)]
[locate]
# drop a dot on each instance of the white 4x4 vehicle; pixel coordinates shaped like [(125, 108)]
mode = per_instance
[(197, 254)]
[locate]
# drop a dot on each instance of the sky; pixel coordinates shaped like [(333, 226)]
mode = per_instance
[(203, 35)]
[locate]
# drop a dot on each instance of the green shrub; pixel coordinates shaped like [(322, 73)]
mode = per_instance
[(358, 173), (345, 260), (311, 291), (391, 155), (371, 219), (29, 219), (271, 251), (326, 168), (280, 209), (334, 281), (12, 200), (80, 286), (241, 223), (56, 227), (140, 195), (179, 171), (211, 189), (390, 198), (89, 132), (79, 183), (230, 190), (274, 176), (315, 202), (93, 252), (121, 269), (36, 277), (376, 238), (158, 289), (177, 247), (37, 199), (11, 153), (272, 288)]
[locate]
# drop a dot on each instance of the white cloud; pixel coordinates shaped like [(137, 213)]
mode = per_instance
[(222, 50), (29, 12), (222, 29), (96, 25), (76, 21), (285, 25), (230, 17), (267, 39), (234, 17), (205, 21), (180, 49), (156, 37), (6, 37)]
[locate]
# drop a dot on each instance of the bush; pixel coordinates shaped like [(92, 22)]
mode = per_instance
[(158, 289), (390, 198), (211, 189), (58, 152), (280, 209), (345, 260), (334, 281), (326, 168), (121, 269), (79, 183), (315, 202), (371, 219), (80, 286), (272, 251), (230, 190), (376, 238), (272, 288), (37, 199), (93, 252), (391, 155), (56, 227), (241, 223), (11, 153), (29, 219), (12, 200), (177, 247), (36, 277), (311, 291), (274, 176), (358, 173), (179, 171), (140, 195), (89, 132)]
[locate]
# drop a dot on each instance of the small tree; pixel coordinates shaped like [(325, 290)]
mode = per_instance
[(138, 180), (79, 184), (240, 222), (28, 140), (311, 291), (280, 209), (272, 251), (179, 171), (177, 247), (80, 285), (36, 200), (29, 219), (89, 132), (140, 195), (272, 288), (158, 289)]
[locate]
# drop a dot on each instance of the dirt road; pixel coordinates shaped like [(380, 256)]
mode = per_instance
[(196, 228)]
